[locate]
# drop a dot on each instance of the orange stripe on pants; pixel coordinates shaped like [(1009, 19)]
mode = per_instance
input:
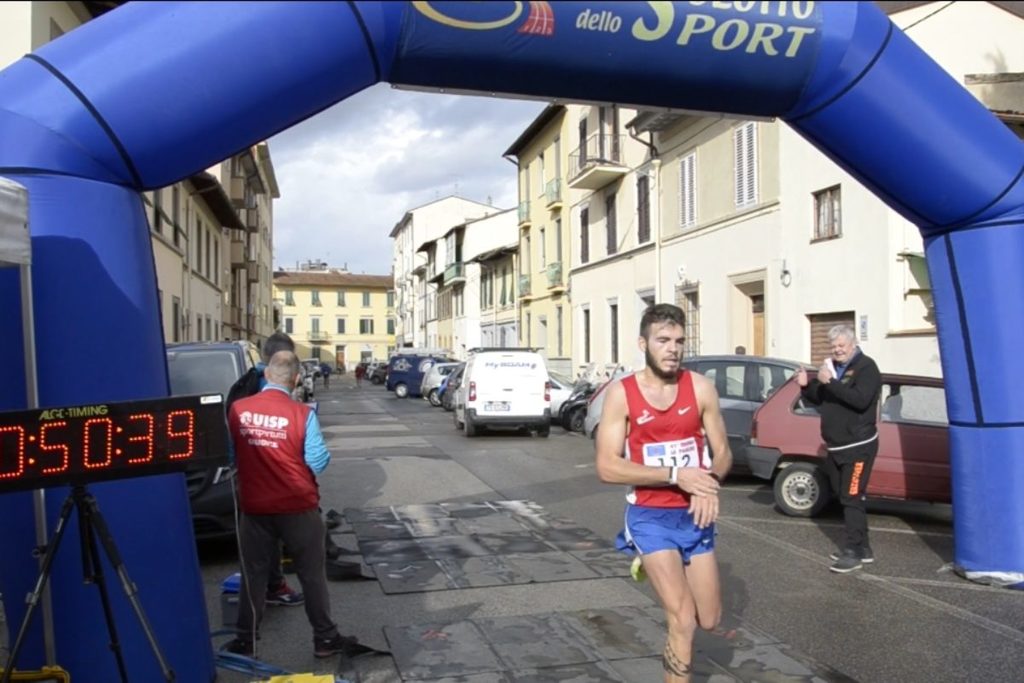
[(855, 479)]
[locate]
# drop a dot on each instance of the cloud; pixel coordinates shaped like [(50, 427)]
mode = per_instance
[(350, 173)]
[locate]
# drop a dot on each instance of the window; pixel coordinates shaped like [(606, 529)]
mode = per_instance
[(207, 237), (175, 318), (643, 209), (314, 324), (341, 297), (199, 327), (486, 288), (558, 240), (609, 225), (197, 266), (175, 211), (613, 317), (158, 216), (391, 299), (209, 329), (316, 352), (366, 299), (745, 154), (529, 325), (216, 262), (728, 378), (827, 214), (341, 326), (543, 249), (688, 299), (584, 235), (289, 325), (586, 335), (558, 328), (391, 325), (688, 191), (366, 326), (504, 288), (289, 297), (769, 379), (314, 297)]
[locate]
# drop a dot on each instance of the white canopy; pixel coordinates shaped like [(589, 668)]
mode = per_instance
[(15, 245)]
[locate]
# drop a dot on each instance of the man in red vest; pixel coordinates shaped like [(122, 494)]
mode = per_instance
[(279, 450), (654, 427)]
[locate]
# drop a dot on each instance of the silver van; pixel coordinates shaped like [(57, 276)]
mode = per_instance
[(433, 378)]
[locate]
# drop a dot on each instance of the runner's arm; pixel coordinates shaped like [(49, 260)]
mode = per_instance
[(714, 425)]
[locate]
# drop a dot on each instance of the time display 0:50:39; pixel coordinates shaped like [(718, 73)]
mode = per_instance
[(80, 444)]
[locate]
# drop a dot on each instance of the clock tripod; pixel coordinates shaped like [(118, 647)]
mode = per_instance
[(91, 526)]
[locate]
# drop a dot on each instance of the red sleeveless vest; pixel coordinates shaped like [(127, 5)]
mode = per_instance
[(269, 433), (664, 438)]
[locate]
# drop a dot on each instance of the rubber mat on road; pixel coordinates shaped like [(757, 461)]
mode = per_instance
[(607, 645), (447, 546)]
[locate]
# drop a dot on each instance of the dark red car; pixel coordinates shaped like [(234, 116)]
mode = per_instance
[(913, 446)]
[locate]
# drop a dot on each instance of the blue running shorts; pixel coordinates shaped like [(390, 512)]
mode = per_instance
[(648, 530)]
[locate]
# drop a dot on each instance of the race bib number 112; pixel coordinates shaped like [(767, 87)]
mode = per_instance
[(683, 453)]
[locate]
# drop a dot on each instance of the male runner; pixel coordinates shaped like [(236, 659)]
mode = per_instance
[(652, 437)]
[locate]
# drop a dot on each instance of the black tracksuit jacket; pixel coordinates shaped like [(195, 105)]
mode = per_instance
[(848, 406)]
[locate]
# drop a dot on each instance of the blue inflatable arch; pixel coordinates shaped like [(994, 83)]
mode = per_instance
[(151, 93)]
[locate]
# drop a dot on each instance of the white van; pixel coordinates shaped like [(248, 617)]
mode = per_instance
[(504, 388)]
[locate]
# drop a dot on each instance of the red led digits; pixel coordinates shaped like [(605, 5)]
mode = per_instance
[(20, 431), (87, 433), (146, 436), (189, 433), (59, 447)]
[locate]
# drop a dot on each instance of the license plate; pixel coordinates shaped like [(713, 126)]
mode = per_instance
[(497, 406)]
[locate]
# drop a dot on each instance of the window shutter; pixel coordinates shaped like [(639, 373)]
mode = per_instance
[(584, 235), (688, 190), (745, 153)]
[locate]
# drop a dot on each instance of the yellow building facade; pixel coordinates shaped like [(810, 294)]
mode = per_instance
[(337, 317), (542, 155)]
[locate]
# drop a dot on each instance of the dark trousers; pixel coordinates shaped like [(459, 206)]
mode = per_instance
[(304, 534), (848, 471)]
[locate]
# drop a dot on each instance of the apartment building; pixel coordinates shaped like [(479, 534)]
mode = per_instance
[(337, 317), (418, 266), (544, 163), (212, 233), (766, 243), (465, 281)]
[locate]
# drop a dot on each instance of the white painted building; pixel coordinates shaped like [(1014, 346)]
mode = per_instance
[(487, 243), (416, 267)]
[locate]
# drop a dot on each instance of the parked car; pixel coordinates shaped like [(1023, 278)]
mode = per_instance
[(406, 370), (913, 446), (312, 367), (377, 372), (561, 389), (209, 368), (450, 386), (573, 412), (743, 383), (504, 388), (432, 379)]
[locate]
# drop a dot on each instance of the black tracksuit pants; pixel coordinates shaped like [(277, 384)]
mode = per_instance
[(848, 471)]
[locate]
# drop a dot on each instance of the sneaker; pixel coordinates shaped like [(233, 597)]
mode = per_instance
[(239, 647), (343, 645), (285, 595), (866, 556), (847, 561)]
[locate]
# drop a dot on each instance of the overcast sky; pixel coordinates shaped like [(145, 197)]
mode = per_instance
[(350, 173)]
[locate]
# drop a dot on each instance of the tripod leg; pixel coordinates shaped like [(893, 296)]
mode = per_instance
[(93, 571), (99, 525), (44, 575)]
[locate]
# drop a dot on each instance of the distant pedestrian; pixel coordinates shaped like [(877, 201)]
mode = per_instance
[(847, 389), (325, 370), (360, 373)]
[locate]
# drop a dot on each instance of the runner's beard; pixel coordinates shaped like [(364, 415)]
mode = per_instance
[(652, 365)]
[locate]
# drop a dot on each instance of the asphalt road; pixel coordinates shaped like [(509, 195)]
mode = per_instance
[(906, 618)]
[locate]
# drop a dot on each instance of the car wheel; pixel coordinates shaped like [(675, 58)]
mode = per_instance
[(455, 419), (434, 399), (801, 490), (544, 432), (401, 390), (577, 419), (471, 429)]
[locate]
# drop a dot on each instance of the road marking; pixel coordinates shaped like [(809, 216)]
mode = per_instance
[(889, 585), (961, 584), (584, 465), (837, 525)]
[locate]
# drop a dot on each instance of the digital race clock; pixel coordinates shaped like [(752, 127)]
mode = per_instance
[(81, 444)]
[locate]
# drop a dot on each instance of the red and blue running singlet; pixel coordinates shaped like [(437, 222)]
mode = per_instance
[(664, 438)]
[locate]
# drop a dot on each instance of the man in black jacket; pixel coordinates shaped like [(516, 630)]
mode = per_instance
[(846, 391)]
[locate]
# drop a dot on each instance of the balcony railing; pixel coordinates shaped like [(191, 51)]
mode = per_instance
[(597, 162), (236, 191), (237, 254), (524, 211), (251, 217), (524, 285), (553, 191), (252, 272), (456, 272), (554, 273), (319, 335)]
